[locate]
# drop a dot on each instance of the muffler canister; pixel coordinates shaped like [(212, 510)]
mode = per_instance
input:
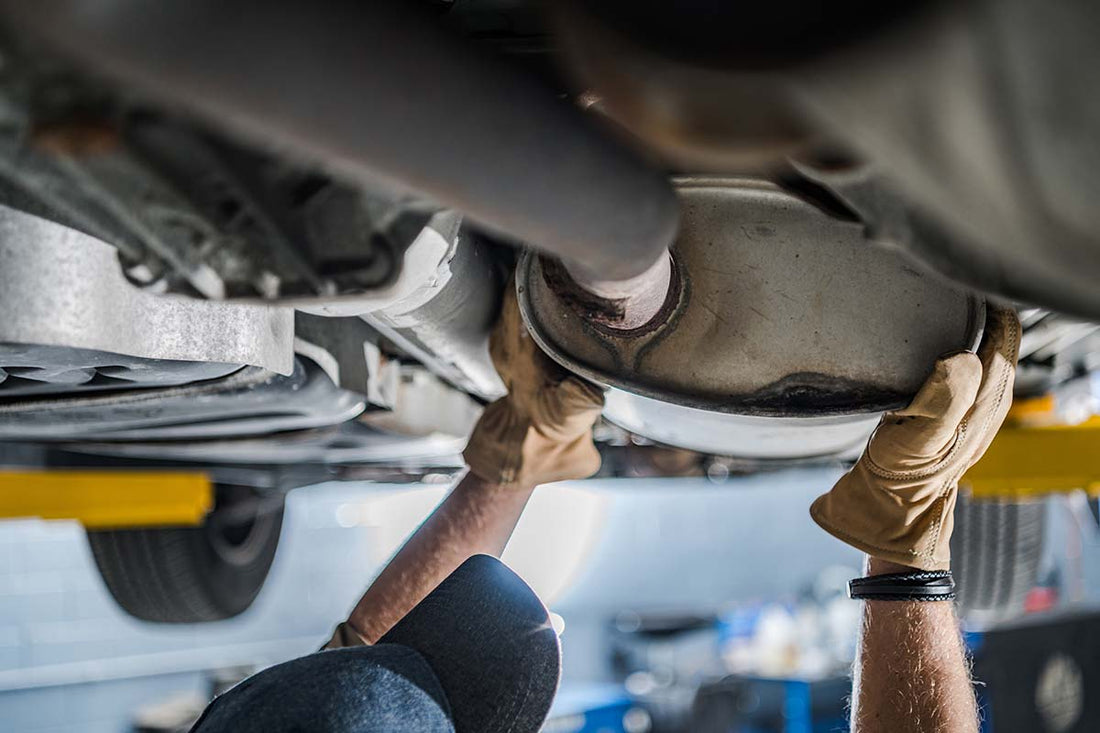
[(777, 308)]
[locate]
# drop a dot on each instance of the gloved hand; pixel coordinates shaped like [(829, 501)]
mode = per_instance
[(897, 503), (542, 430)]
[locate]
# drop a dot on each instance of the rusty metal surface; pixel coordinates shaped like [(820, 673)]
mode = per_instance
[(783, 311), (623, 304)]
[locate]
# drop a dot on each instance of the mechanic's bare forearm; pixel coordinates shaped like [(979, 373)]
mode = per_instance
[(476, 518), (911, 671)]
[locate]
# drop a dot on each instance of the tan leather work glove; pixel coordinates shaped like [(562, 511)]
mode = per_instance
[(542, 430), (897, 503)]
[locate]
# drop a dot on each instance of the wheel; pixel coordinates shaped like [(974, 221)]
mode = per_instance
[(995, 552), (193, 574)]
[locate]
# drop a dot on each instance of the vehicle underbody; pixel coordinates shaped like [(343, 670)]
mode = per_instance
[(272, 242)]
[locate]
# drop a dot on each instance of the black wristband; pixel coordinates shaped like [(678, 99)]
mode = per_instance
[(919, 585)]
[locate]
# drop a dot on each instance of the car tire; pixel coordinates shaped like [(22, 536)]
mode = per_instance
[(995, 553), (193, 574)]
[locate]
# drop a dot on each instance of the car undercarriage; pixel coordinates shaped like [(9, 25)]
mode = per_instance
[(271, 242)]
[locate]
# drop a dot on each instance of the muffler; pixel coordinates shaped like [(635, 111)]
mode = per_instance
[(775, 307)]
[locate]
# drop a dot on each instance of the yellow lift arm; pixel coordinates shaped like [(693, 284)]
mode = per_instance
[(1023, 461), (108, 499), (1033, 461)]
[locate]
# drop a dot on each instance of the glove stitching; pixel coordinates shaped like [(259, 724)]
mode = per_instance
[(953, 481), (937, 525), (881, 472), (947, 486), (859, 543), (923, 473)]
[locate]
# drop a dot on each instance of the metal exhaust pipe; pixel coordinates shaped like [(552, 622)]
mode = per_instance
[(378, 93)]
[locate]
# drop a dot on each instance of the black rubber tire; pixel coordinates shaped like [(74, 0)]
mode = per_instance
[(995, 553), (193, 574)]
